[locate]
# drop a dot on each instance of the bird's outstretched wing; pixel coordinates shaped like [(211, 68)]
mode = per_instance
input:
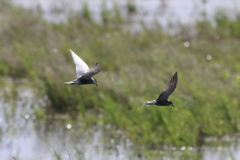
[(81, 66), (94, 70), (169, 88)]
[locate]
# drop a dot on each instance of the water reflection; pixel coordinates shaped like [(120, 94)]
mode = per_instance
[(24, 136), (168, 13)]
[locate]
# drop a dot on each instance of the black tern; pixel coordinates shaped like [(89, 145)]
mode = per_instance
[(163, 97), (84, 74)]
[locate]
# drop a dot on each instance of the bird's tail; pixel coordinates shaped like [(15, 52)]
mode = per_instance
[(149, 103), (71, 82), (76, 81)]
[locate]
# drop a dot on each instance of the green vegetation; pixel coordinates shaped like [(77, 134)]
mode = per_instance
[(135, 68), (131, 8)]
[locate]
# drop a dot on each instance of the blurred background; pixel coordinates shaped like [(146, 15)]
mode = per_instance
[(140, 45)]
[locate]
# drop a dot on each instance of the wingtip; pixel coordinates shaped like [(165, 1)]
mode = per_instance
[(97, 63), (175, 75), (73, 54)]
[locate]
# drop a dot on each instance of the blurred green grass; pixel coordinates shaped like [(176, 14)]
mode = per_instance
[(135, 68)]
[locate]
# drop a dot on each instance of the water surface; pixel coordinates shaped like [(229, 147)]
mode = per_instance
[(26, 136)]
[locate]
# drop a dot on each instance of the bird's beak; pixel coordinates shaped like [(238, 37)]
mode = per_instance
[(96, 85), (173, 105)]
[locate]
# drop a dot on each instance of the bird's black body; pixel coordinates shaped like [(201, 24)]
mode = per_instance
[(164, 102), (163, 97), (87, 81), (84, 81)]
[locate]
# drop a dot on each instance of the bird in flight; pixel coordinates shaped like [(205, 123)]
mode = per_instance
[(84, 74), (163, 97)]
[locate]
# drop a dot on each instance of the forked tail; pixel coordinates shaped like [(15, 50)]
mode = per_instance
[(149, 103)]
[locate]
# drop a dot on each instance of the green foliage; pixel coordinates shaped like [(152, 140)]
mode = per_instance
[(227, 27), (135, 68), (131, 7), (86, 12)]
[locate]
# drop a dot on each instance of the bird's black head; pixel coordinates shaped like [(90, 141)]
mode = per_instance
[(170, 103)]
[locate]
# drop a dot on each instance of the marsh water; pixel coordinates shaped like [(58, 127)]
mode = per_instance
[(26, 136), (168, 12)]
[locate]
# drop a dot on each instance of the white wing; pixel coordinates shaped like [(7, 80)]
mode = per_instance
[(81, 66)]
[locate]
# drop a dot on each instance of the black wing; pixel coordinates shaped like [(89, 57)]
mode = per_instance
[(94, 70), (169, 88)]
